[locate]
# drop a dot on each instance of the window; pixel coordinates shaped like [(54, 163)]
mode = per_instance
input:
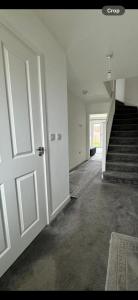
[(96, 142)]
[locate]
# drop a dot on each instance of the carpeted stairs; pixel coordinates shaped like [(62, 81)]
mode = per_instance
[(122, 155)]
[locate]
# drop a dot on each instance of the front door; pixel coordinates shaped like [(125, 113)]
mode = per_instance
[(22, 185)]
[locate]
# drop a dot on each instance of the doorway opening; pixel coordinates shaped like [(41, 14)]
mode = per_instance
[(97, 135)]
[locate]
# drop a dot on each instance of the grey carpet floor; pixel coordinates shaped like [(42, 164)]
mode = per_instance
[(72, 253), (82, 175), (122, 271)]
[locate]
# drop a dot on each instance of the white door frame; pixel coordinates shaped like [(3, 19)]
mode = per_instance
[(43, 109), (97, 121), (103, 121)]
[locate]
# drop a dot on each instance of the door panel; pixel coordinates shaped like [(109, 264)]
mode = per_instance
[(3, 242), (18, 102), (22, 181), (27, 203), (4, 227)]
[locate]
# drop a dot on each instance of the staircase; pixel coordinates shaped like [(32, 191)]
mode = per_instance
[(122, 155)]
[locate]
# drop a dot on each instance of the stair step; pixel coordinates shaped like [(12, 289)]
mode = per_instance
[(123, 140), (126, 116), (121, 166), (126, 110), (124, 133), (125, 121), (123, 148), (124, 157), (125, 127), (129, 106), (119, 104), (121, 177)]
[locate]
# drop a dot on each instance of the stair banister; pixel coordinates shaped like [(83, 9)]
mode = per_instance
[(109, 122), (107, 131)]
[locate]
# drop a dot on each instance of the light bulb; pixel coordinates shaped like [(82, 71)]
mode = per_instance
[(109, 75)]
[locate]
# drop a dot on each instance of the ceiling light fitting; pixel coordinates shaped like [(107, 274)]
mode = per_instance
[(108, 62), (84, 92), (109, 75)]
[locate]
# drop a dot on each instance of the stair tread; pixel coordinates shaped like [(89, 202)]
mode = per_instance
[(127, 116), (124, 130), (119, 174), (126, 119), (122, 154), (134, 124), (123, 145), (127, 112), (115, 163), (124, 137)]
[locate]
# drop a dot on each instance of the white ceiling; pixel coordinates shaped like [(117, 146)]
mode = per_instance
[(87, 37)]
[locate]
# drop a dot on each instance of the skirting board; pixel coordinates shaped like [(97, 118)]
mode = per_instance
[(59, 208)]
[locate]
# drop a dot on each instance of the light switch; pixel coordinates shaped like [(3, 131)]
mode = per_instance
[(52, 137), (59, 136)]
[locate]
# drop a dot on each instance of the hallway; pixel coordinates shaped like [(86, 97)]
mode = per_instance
[(72, 253), (82, 175)]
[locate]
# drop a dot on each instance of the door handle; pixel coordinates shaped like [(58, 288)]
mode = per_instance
[(41, 150)]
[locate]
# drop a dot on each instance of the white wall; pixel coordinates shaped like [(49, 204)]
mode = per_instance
[(77, 130), (98, 107), (120, 90), (34, 32), (109, 85), (131, 91)]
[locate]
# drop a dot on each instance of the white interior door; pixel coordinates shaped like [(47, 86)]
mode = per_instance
[(22, 184)]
